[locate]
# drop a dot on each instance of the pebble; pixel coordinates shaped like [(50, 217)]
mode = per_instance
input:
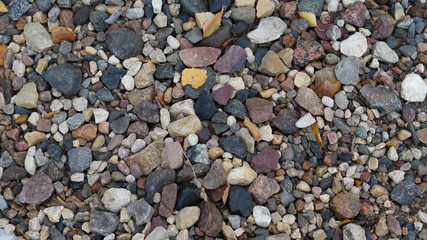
[(79, 159), (35, 34), (413, 88), (382, 52), (187, 217), (27, 97), (353, 231), (380, 98), (269, 29), (347, 70), (305, 121), (115, 40), (65, 78), (114, 199), (356, 45), (241, 176), (37, 189)]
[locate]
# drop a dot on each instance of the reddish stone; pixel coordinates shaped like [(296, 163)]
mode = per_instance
[(222, 95), (37, 190), (44, 125), (199, 56), (233, 60), (158, 222), (394, 225), (346, 205), (263, 188), (135, 170), (266, 161), (210, 221), (260, 110), (383, 27), (86, 132), (123, 167), (355, 14), (21, 145), (13, 134), (288, 10), (167, 204), (184, 44), (287, 85), (321, 29), (216, 194), (140, 128), (66, 19), (365, 177), (141, 183), (326, 84), (289, 40), (306, 52), (60, 34)]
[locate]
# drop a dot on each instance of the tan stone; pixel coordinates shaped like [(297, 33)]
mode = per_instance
[(264, 8), (34, 138), (272, 64), (185, 126)]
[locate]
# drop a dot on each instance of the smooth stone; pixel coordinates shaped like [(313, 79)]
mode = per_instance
[(266, 161), (384, 53), (199, 56), (27, 97), (148, 158), (353, 231), (413, 88), (79, 159), (262, 216), (114, 199), (346, 205), (242, 176), (185, 126), (187, 217), (305, 121), (141, 211), (380, 98), (355, 45), (269, 29), (347, 70), (17, 8), (172, 157), (309, 100)]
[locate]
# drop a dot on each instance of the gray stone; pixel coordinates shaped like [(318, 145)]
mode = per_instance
[(313, 6), (103, 223), (384, 53), (124, 43), (17, 8), (353, 231), (193, 6), (141, 211), (380, 98), (347, 70), (79, 159), (97, 18), (405, 192), (75, 121), (198, 154), (37, 37), (6, 159), (65, 78)]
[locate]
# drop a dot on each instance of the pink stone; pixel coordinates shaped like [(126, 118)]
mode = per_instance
[(199, 56)]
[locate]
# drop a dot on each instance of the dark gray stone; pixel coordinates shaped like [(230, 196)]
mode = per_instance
[(65, 78), (17, 8), (97, 18), (75, 121), (405, 192), (124, 43), (236, 108), (205, 106), (103, 223), (380, 98), (157, 180), (6, 159), (313, 6), (240, 201), (233, 144), (141, 211), (285, 121), (193, 6), (148, 112), (79, 159), (120, 125), (347, 70), (44, 5), (198, 154)]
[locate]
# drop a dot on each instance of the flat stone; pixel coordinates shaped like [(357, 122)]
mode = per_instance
[(305, 121), (86, 132), (185, 126), (383, 27), (285, 121), (380, 98), (114, 199), (222, 95), (236, 108), (27, 97), (272, 65), (307, 51), (141, 211), (199, 56), (79, 159), (65, 78), (264, 8), (103, 223), (384, 53), (347, 70), (262, 188), (98, 20), (260, 110), (269, 29), (194, 6), (346, 205), (233, 60), (37, 189), (406, 192), (53, 213), (308, 99), (413, 88), (34, 137), (210, 221), (355, 45), (266, 161), (148, 112), (233, 144), (216, 177), (148, 158), (37, 37), (124, 43)]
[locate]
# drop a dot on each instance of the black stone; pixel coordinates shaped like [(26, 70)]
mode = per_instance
[(124, 43), (157, 180), (220, 117), (217, 5), (240, 28), (209, 83), (240, 201), (236, 108), (233, 144), (103, 223), (193, 6), (218, 38), (82, 16), (285, 121), (44, 5), (65, 78), (205, 106), (188, 195), (55, 151)]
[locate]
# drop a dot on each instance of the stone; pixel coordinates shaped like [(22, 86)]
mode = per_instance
[(60, 34), (406, 192), (135, 13), (380, 98), (141, 211), (355, 45), (355, 14), (27, 97), (260, 110), (86, 132), (222, 95), (97, 18), (240, 201), (307, 51), (352, 231), (305, 121), (189, 193), (233, 60), (210, 221), (262, 188), (198, 154), (124, 43), (382, 52), (65, 78), (285, 121), (242, 176), (266, 161), (413, 88), (347, 70), (315, 6), (103, 223), (236, 108), (205, 106), (264, 8), (269, 29), (34, 137), (422, 135), (169, 196), (172, 157), (79, 159), (194, 6), (148, 158), (187, 217), (262, 216), (185, 126), (246, 14), (114, 199), (215, 178), (148, 112), (326, 84), (37, 189), (383, 27), (272, 64), (157, 180), (37, 37), (308, 99), (199, 56), (233, 144), (346, 205), (53, 213), (17, 8)]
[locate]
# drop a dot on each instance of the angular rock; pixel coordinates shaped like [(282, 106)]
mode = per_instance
[(172, 157), (124, 43), (17, 8), (269, 29), (233, 60), (384, 53), (266, 161), (199, 56), (79, 159), (148, 112), (148, 158), (262, 188), (205, 106), (260, 110), (326, 84), (157, 180), (185, 126), (188, 195), (353, 231), (355, 45), (272, 64), (346, 205), (241, 176), (103, 223), (347, 70), (307, 51), (216, 177), (187, 217), (65, 78), (233, 144), (406, 192), (383, 27), (141, 211), (308, 99), (27, 97), (97, 18), (114, 199), (380, 98), (37, 189), (210, 221), (169, 196), (285, 121), (413, 88), (37, 37), (313, 6), (240, 201), (355, 14)]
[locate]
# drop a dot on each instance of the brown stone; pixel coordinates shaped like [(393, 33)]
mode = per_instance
[(199, 56), (383, 27), (308, 99), (210, 221), (346, 205), (216, 194), (266, 161), (44, 125), (422, 135), (87, 132), (60, 34), (355, 14), (37, 190), (263, 188), (222, 95), (288, 10), (167, 204), (13, 134), (23, 118), (260, 110), (326, 84), (307, 51), (148, 158), (233, 60), (272, 65)]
